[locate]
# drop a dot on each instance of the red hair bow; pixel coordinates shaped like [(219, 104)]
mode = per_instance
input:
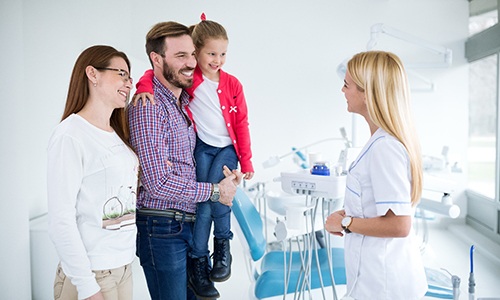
[(203, 17)]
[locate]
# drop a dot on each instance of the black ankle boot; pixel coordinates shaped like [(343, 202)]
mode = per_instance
[(221, 270), (198, 272)]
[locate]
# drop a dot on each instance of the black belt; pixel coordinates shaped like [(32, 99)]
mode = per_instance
[(169, 213)]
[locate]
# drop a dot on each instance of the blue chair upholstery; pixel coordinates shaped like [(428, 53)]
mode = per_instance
[(250, 223), (270, 281)]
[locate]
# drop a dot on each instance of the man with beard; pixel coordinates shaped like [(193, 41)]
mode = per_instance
[(164, 139)]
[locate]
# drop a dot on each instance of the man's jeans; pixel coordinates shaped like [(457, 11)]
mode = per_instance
[(162, 247), (209, 163)]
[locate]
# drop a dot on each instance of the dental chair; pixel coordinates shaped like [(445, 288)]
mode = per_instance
[(276, 273)]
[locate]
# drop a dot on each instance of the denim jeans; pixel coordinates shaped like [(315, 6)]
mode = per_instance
[(209, 163), (163, 245)]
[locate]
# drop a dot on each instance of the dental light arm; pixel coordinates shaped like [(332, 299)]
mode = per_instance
[(380, 28), (377, 30)]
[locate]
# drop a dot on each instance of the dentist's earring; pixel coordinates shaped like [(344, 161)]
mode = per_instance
[(95, 84)]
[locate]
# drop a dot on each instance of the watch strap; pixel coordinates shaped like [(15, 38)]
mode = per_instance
[(215, 196)]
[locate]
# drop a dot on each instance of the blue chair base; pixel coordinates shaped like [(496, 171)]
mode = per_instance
[(271, 282)]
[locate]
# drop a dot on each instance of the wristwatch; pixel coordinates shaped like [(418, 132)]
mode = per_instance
[(346, 222), (215, 193)]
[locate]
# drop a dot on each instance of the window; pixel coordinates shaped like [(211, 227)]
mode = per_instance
[(482, 50), (482, 126), (483, 123)]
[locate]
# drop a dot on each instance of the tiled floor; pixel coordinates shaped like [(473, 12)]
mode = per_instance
[(444, 250)]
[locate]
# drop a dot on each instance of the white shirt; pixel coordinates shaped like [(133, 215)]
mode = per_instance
[(91, 185), (377, 181), (207, 114)]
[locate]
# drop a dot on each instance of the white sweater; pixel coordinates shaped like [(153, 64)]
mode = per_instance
[(91, 185)]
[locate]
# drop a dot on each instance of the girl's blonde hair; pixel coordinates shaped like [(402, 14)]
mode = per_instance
[(206, 29), (382, 77)]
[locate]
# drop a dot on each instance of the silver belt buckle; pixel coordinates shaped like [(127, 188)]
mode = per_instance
[(178, 216)]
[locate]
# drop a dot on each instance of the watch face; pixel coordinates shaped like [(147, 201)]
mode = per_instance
[(346, 221), (215, 197)]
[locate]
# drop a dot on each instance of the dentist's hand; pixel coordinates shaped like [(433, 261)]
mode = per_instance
[(333, 223)]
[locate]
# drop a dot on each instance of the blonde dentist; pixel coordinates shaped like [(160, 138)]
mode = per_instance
[(384, 185)]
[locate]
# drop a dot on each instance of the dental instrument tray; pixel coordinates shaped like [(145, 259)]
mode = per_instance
[(304, 183)]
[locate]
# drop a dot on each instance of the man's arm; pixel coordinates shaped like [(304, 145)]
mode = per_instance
[(148, 136)]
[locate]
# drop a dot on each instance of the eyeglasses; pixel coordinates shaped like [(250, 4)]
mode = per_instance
[(123, 74)]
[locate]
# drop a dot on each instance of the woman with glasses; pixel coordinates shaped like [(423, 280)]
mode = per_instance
[(92, 181)]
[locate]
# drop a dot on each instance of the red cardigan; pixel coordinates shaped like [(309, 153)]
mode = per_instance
[(233, 107)]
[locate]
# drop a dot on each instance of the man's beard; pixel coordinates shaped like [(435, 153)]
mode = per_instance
[(174, 79)]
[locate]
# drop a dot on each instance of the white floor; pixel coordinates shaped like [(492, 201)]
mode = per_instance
[(448, 248)]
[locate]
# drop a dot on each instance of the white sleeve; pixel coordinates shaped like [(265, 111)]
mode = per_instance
[(390, 175), (64, 177)]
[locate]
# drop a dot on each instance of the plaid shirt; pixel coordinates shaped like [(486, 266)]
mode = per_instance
[(161, 133)]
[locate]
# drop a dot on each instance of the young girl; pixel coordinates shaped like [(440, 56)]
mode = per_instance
[(219, 112)]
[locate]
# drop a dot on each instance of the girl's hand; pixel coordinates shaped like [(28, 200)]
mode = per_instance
[(143, 97), (238, 174), (248, 175)]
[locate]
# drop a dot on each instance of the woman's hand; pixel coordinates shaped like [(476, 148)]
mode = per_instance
[(96, 296), (333, 223)]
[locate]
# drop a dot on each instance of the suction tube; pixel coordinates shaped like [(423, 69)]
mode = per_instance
[(472, 281)]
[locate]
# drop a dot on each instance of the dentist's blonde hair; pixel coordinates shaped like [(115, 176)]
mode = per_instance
[(382, 77)]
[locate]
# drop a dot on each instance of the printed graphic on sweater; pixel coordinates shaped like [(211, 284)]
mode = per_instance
[(119, 211)]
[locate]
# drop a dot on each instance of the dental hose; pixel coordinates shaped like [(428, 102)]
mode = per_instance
[(472, 281)]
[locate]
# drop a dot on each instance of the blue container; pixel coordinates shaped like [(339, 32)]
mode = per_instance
[(320, 169)]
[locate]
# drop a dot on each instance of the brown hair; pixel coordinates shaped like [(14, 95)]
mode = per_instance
[(155, 38), (98, 56)]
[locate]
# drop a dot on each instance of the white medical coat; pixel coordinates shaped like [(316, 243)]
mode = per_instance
[(381, 268)]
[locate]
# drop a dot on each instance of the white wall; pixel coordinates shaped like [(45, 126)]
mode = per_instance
[(284, 52), (17, 170)]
